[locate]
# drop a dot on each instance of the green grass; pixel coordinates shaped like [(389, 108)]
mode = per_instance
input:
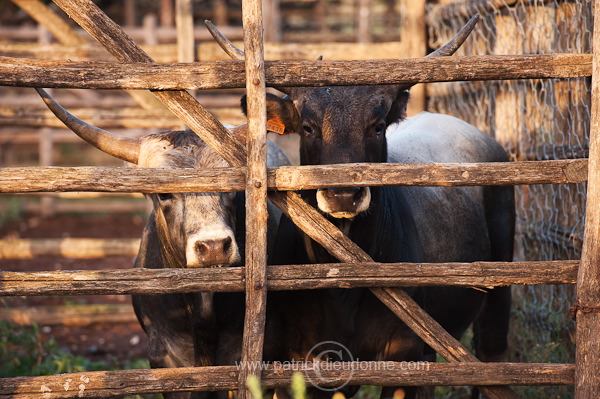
[(23, 352), (542, 332)]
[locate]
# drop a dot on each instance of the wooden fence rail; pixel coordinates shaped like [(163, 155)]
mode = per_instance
[(278, 375), (121, 118), (286, 178), (288, 277), (71, 315), (78, 248), (230, 74)]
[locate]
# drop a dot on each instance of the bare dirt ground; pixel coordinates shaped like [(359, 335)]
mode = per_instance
[(113, 343)]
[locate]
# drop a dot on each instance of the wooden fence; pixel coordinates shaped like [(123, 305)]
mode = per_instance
[(27, 116), (250, 173)]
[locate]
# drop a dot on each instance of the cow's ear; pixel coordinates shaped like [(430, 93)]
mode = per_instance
[(398, 109), (282, 116)]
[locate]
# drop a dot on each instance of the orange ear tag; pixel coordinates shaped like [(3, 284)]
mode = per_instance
[(275, 126)]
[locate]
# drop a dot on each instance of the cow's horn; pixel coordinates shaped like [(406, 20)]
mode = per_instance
[(454, 44), (125, 148), (231, 50), (450, 47)]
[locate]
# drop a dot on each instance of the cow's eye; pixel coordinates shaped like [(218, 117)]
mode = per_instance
[(379, 129), (165, 196), (307, 129)]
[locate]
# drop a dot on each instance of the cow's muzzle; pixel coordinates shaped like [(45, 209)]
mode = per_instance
[(344, 203), (215, 250)]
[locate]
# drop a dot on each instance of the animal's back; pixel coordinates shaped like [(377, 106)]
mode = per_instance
[(455, 224), (431, 137), (451, 221), (460, 223)]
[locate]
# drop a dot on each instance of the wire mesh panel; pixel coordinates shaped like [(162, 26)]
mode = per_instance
[(534, 120)]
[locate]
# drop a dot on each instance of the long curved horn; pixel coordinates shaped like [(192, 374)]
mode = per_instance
[(231, 50), (125, 148)]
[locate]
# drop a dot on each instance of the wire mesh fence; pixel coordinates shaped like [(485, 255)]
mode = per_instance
[(534, 120)]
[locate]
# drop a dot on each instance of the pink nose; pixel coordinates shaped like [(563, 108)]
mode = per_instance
[(215, 251)]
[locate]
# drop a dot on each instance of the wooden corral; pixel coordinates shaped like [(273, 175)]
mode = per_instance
[(249, 173), (157, 36)]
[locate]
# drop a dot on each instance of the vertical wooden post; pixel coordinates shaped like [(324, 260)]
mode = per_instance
[(150, 25), (220, 13), (509, 98), (142, 97), (320, 15), (184, 21), (271, 20), (44, 36), (587, 310), (256, 195), (363, 21), (130, 13), (413, 34), (166, 13)]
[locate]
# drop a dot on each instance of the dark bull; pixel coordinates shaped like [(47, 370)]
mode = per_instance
[(348, 124)]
